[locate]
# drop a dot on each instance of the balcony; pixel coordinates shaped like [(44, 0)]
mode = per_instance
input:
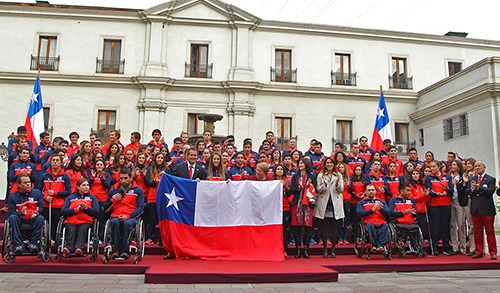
[(401, 82), (45, 63), (109, 66), (340, 78), (284, 75), (198, 70)]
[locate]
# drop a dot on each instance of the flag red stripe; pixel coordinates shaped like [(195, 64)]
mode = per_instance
[(229, 243)]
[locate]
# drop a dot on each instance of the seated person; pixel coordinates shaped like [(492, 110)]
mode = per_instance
[(126, 203), (373, 212), (80, 209), (403, 207), (25, 207)]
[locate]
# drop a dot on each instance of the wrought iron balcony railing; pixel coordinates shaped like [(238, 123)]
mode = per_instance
[(45, 63), (284, 75), (109, 66)]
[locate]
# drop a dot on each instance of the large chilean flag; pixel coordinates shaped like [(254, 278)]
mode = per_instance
[(34, 120), (382, 129), (239, 220)]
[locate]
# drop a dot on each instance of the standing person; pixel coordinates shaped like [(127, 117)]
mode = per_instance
[(87, 154), (75, 171), (215, 170), (114, 137), (364, 149), (292, 145), (457, 223), (139, 171), (114, 169), (239, 171), (275, 158), (40, 151), (153, 176), (347, 197), (189, 169), (357, 189), (177, 150), (377, 179), (100, 183), (353, 158), (421, 195), (302, 206), (480, 189), (329, 203), (73, 146), (469, 172), (207, 137), (135, 143), (279, 174), (55, 186), (80, 209), (441, 190), (392, 158), (111, 153), (22, 167)]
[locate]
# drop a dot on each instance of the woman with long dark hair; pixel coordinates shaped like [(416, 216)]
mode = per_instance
[(329, 204), (153, 176), (302, 206)]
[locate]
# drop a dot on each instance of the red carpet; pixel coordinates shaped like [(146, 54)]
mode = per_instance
[(316, 269)]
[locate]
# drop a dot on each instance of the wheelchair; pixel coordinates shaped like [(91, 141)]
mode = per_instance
[(92, 248), (363, 243), (26, 230), (136, 238), (408, 240)]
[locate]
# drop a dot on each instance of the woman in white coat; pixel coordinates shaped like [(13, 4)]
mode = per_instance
[(329, 203)]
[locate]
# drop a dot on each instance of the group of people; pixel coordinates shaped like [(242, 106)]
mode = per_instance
[(324, 197)]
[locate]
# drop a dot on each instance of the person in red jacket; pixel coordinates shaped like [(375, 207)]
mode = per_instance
[(73, 147), (420, 194), (279, 174), (55, 186), (392, 157), (75, 171), (80, 209), (100, 182), (126, 203)]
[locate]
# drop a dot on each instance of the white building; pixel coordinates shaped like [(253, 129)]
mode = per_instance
[(136, 70)]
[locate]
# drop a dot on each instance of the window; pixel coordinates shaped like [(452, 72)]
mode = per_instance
[(46, 57), (106, 121), (401, 137), (195, 126), (399, 76), (342, 74), (421, 136), (198, 66), (283, 131), (344, 131), (283, 67), (111, 58), (454, 67), (46, 120), (455, 126)]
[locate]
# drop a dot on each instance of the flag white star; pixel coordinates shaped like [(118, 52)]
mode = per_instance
[(380, 113), (34, 98), (173, 199)]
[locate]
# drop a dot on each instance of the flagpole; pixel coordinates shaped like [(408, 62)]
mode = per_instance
[(381, 91)]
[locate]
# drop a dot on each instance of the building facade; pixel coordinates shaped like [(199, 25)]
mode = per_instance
[(137, 70)]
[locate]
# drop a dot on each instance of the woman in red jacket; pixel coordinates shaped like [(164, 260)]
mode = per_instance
[(75, 171), (421, 195), (100, 183), (279, 174), (80, 209), (153, 176)]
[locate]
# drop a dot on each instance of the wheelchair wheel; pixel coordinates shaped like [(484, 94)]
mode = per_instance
[(107, 242), (360, 241), (45, 243), (59, 239), (416, 242), (7, 244), (94, 238), (140, 239)]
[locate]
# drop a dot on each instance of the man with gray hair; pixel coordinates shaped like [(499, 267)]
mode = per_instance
[(480, 189)]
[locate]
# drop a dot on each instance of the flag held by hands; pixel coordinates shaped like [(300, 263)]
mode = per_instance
[(34, 119)]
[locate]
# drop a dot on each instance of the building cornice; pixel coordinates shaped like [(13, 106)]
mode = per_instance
[(165, 12), (458, 101)]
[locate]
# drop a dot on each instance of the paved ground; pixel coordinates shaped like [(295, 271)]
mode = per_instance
[(450, 281)]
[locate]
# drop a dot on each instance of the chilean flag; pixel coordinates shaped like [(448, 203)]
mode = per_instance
[(219, 220), (382, 129), (34, 120)]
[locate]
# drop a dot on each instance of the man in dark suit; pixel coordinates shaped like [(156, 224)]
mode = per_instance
[(189, 169), (480, 189)]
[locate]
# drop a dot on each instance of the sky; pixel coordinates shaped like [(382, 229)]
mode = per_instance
[(436, 17)]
